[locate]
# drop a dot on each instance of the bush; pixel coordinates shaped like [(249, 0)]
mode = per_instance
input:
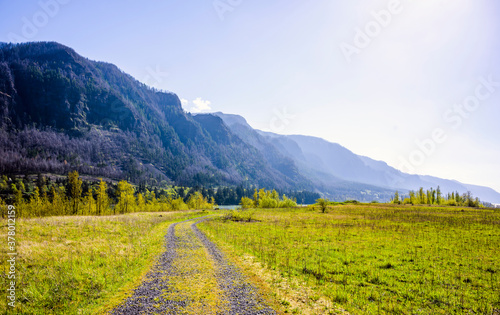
[(239, 216), (287, 203), (268, 203), (246, 203), (451, 202), (323, 204)]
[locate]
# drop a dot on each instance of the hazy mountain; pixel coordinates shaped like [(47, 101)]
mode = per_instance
[(330, 165), (307, 163)]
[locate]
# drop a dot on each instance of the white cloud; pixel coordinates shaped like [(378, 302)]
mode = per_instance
[(184, 103), (200, 105)]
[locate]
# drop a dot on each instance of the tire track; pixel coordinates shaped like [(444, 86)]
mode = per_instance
[(192, 276), (148, 297), (242, 297)]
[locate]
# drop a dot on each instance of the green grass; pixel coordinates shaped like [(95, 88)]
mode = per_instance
[(379, 259), (83, 265)]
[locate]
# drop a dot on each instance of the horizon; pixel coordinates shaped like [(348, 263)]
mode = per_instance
[(442, 73)]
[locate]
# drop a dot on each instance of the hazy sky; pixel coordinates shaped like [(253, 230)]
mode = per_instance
[(375, 76)]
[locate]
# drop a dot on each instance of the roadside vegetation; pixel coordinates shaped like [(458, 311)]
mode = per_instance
[(83, 265), (373, 258)]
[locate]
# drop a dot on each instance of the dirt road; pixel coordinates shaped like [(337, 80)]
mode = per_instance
[(193, 276)]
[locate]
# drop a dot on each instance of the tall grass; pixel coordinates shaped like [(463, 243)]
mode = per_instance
[(376, 259), (83, 265)]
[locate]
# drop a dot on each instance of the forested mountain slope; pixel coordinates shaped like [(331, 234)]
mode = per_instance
[(60, 111)]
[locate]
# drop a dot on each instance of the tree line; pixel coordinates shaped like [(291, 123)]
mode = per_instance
[(268, 199), (41, 195), (436, 197), (73, 196)]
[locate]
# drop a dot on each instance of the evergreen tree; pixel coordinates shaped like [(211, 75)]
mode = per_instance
[(396, 198), (439, 197)]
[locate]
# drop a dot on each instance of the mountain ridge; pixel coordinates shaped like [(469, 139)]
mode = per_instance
[(348, 166), (60, 111)]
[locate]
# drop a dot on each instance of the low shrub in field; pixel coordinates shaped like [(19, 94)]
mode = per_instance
[(239, 216)]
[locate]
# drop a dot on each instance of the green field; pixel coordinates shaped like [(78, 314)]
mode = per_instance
[(361, 259), (82, 265), (377, 259)]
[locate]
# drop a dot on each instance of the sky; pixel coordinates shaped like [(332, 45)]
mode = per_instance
[(413, 83)]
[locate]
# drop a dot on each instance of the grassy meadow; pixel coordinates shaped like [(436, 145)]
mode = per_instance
[(374, 258), (83, 265)]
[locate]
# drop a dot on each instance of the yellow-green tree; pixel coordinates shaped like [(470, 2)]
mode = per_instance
[(255, 198), (102, 201), (75, 186), (153, 202), (246, 203), (89, 202), (126, 199), (439, 196), (413, 199), (197, 201), (18, 199), (35, 204), (58, 202), (141, 203), (3, 208), (178, 204), (287, 202), (396, 198), (323, 204)]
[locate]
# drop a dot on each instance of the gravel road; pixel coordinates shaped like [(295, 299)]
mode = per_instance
[(243, 298), (156, 295)]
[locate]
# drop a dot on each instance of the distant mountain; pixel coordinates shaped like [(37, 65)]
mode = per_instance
[(60, 111), (286, 148), (330, 165)]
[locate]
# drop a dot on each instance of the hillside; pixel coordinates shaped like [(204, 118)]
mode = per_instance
[(60, 111)]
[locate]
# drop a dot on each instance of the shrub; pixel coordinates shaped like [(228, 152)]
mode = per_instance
[(323, 204), (246, 203), (239, 216)]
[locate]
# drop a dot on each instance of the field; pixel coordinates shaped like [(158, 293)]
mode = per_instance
[(357, 259), (373, 259), (83, 265)]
